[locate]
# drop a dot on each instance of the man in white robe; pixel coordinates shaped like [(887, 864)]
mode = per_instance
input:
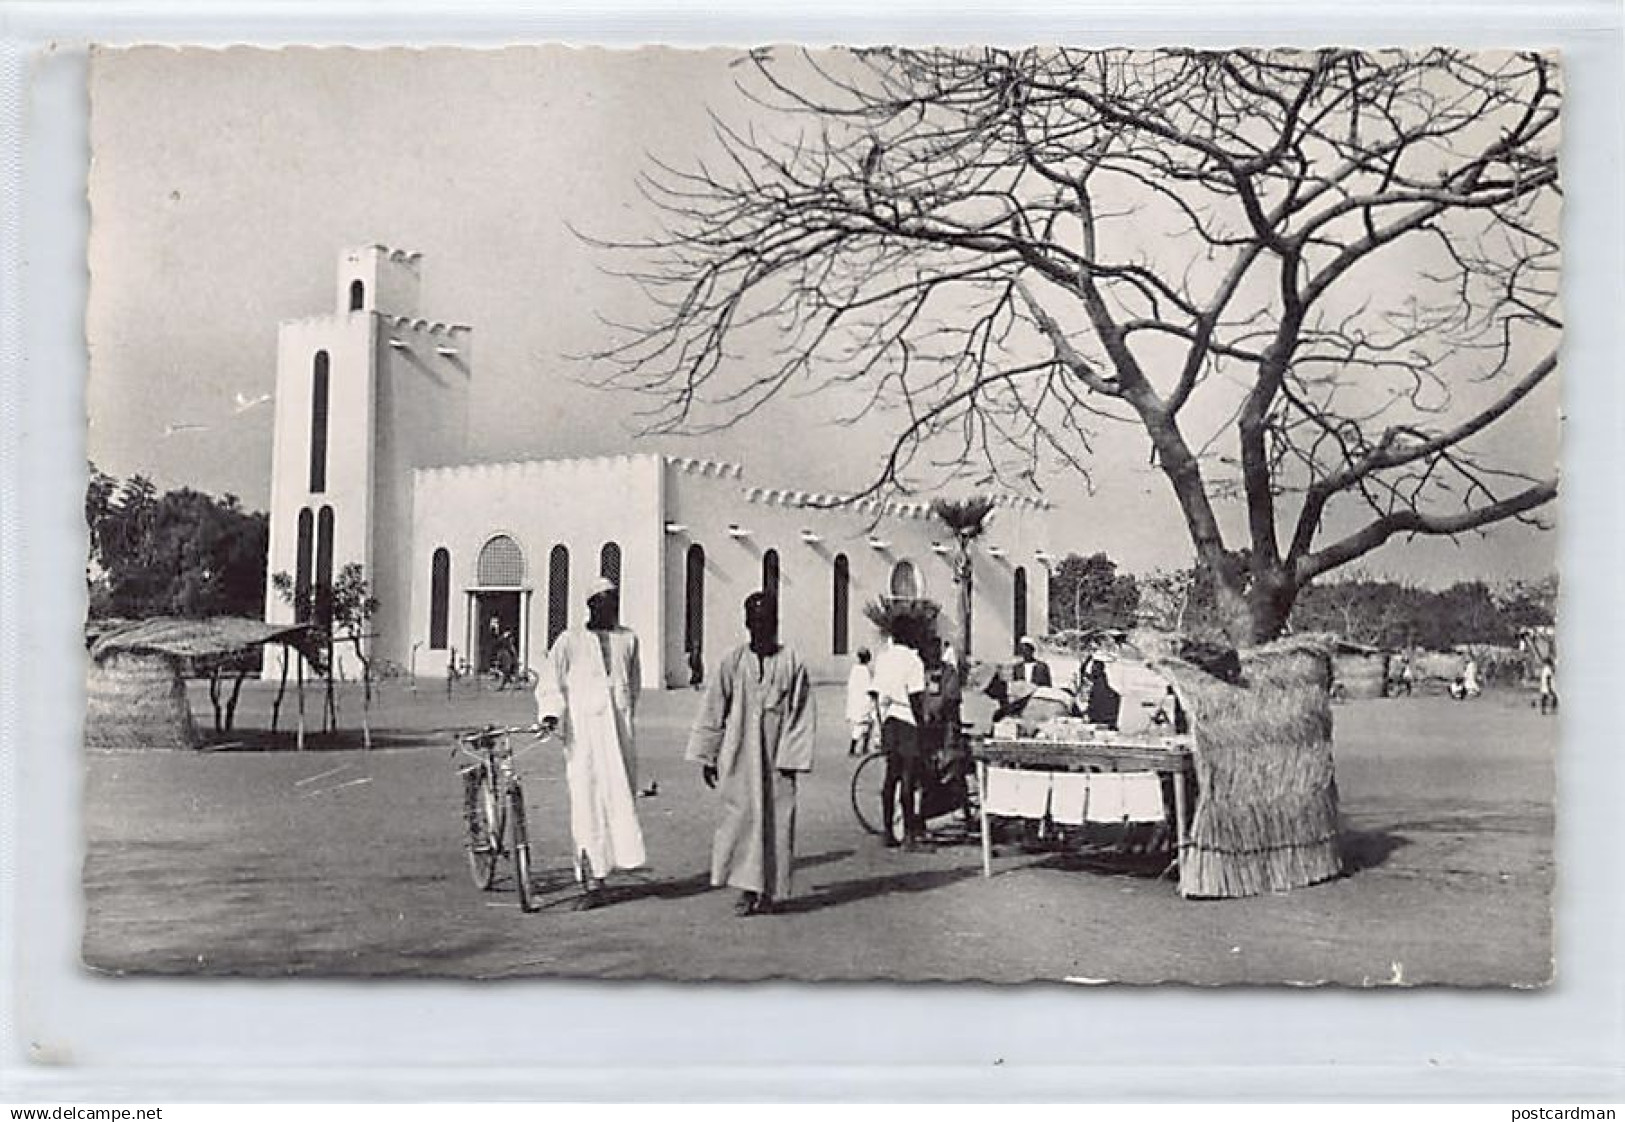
[(754, 736), (589, 692)]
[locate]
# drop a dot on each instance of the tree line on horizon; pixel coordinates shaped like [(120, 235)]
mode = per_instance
[(1091, 593)]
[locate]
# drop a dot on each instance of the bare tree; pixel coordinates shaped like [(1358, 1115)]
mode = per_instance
[(1313, 280)]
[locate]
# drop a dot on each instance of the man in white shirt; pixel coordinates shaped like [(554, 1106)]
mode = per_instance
[(899, 685)]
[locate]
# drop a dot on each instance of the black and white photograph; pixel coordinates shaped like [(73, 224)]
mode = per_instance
[(912, 514)]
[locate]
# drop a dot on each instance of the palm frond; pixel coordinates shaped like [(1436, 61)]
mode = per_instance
[(968, 518)]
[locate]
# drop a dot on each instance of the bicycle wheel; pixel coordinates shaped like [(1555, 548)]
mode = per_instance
[(868, 787), (521, 849), (486, 822)]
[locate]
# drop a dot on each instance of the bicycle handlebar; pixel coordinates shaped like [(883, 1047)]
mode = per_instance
[(484, 734)]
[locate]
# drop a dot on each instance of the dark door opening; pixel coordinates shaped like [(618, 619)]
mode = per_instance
[(497, 636)]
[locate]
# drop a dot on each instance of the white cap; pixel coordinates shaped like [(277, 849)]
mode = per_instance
[(1026, 641), (599, 586)]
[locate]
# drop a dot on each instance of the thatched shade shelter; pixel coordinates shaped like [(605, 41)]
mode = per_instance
[(134, 694), (1359, 671), (1266, 818)]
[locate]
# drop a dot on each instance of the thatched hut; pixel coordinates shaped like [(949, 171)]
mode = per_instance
[(1358, 671), (137, 699), (135, 696), (1266, 816)]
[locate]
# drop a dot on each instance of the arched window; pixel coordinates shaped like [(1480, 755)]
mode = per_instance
[(302, 566), (558, 593), (324, 565), (609, 564), (905, 581), (770, 573), (694, 600), (840, 606), (358, 295), (439, 598), (1018, 609), (501, 564), (318, 425)]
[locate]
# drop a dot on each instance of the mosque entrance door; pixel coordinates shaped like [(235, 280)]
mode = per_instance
[(498, 625)]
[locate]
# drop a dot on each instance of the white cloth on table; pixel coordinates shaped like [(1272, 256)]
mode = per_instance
[(1068, 798), (1105, 802), (1016, 794), (1128, 797), (1142, 797)]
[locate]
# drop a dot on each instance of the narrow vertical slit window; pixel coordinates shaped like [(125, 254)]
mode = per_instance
[(318, 424)]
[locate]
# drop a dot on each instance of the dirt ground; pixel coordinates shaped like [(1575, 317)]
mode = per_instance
[(338, 861)]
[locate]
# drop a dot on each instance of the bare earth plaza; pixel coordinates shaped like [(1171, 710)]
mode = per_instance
[(994, 515)]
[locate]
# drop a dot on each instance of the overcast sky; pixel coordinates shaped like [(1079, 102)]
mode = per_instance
[(225, 183)]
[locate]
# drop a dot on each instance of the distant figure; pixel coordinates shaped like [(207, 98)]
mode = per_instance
[(860, 704), (1548, 686), (507, 659), (589, 690), (754, 735), (1466, 686), (1406, 682), (1029, 667)]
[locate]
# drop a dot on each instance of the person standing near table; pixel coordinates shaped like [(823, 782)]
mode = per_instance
[(754, 738), (1029, 667), (899, 685)]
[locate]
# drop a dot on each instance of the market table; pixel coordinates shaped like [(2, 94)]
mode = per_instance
[(1164, 756)]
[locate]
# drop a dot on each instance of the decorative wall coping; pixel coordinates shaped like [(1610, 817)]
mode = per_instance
[(564, 465), (719, 468), (422, 326), (408, 256)]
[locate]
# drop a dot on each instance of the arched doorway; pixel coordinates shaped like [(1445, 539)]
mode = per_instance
[(498, 597)]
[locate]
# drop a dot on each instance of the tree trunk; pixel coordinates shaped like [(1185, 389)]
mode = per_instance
[(299, 689), (330, 704), (214, 696), (962, 578), (231, 702), (281, 688), (366, 695), (1269, 605)]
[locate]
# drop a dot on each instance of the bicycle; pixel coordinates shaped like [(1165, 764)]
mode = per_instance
[(946, 788), (511, 679), (494, 810)]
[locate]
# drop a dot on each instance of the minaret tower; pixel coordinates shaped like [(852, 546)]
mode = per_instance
[(364, 394)]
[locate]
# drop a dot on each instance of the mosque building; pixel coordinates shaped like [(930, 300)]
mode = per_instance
[(371, 464)]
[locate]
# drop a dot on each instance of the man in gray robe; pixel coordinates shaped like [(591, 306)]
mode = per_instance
[(753, 737)]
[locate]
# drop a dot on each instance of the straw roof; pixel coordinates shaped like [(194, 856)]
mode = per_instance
[(199, 638)]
